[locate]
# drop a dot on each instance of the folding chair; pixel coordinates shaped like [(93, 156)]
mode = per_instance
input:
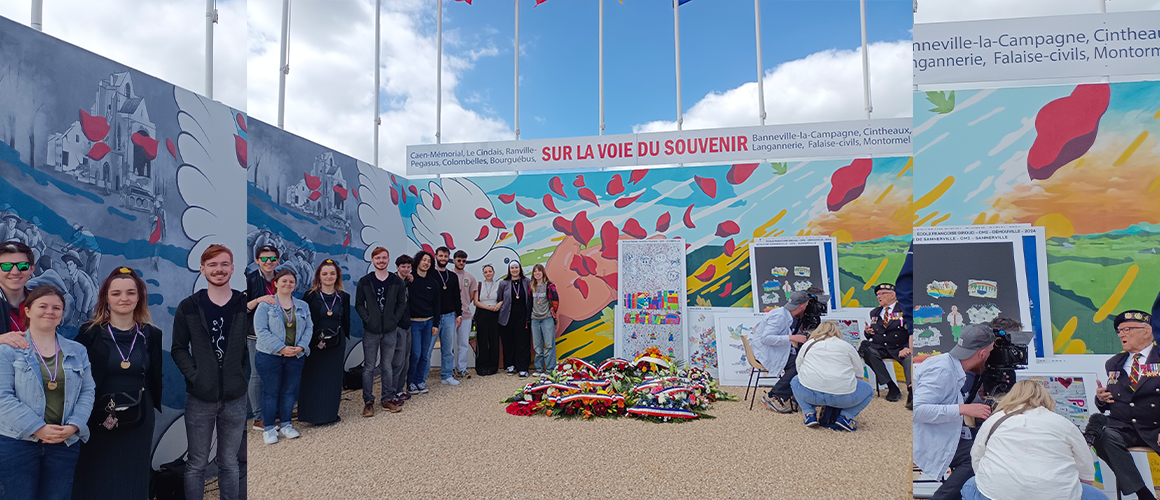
[(755, 368), (1140, 449)]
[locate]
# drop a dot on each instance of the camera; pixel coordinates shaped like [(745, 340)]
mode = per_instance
[(815, 309), (1009, 354)]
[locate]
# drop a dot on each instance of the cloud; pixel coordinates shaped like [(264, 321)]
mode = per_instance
[(329, 91), (938, 11), (823, 86), (163, 39)]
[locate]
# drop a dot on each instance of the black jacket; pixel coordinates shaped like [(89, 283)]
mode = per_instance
[(90, 332), (194, 355), (6, 311), (1134, 411), (366, 303), (893, 334), (318, 311), (424, 296), (255, 287)]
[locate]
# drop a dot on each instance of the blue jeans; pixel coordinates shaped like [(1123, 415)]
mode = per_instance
[(378, 352), (254, 389), (971, 492), (544, 339), (447, 332), (281, 378), (851, 404), (37, 471), (421, 343), (201, 419)]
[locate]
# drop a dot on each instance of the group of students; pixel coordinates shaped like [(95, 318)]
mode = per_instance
[(77, 416)]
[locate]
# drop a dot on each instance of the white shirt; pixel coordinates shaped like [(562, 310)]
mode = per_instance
[(830, 366), (1035, 455), (487, 292), (770, 340), (1147, 351), (937, 423), (886, 310)]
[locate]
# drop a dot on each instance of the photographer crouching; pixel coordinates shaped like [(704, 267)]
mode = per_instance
[(947, 389), (777, 337)]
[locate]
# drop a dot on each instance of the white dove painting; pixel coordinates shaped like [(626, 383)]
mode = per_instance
[(457, 214)]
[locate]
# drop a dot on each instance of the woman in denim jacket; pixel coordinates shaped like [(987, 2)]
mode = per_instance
[(284, 331), (46, 397)]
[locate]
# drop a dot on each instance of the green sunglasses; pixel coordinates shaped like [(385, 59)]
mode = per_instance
[(20, 266), (268, 259)]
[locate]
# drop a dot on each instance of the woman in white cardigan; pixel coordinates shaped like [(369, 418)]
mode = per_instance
[(828, 368), (1026, 451)]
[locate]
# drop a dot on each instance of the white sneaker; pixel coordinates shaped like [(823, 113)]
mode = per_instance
[(537, 374), (450, 381), (270, 436), (288, 432)]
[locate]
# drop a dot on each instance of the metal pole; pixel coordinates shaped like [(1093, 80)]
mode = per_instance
[(517, 82), (38, 15), (439, 75), (210, 18), (865, 64), (378, 62), (677, 45), (760, 68), (601, 66), (284, 67)]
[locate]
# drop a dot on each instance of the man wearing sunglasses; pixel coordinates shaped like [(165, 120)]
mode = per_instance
[(259, 289), (15, 270), (1132, 394)]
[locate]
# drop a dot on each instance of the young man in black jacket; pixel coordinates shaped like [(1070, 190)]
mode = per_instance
[(209, 347), (381, 302), (259, 289)]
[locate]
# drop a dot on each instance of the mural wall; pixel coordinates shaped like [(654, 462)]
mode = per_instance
[(103, 166), (1079, 160)]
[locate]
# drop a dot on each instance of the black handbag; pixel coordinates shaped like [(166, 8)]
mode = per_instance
[(329, 338), (123, 409)]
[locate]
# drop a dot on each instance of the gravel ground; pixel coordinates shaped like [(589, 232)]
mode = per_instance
[(459, 442)]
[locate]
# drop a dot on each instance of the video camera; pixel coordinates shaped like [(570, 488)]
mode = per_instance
[(815, 309), (1009, 354)]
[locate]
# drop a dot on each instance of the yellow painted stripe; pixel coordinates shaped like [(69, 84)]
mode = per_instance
[(928, 217), (909, 164), (997, 200), (874, 278), (1065, 335), (1155, 185), (1121, 289), (1080, 162), (994, 218), (765, 227), (940, 220), (847, 296), (884, 193), (557, 239), (927, 199), (982, 218), (1131, 148), (1157, 115), (1076, 346)]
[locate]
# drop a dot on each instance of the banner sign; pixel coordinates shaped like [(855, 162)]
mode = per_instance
[(848, 139), (1114, 44)]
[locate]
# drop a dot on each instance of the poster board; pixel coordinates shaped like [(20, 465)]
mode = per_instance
[(650, 302), (1074, 393), (702, 331), (731, 361), (973, 274), (852, 322), (780, 266)]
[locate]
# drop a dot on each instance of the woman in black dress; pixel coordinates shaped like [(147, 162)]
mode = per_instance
[(125, 351), (515, 314), (322, 374)]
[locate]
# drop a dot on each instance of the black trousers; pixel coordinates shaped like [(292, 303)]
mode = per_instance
[(517, 343), (781, 389), (961, 471), (1112, 446), (874, 356), (486, 341)]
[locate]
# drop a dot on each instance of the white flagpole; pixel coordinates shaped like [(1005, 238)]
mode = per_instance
[(38, 15), (439, 75), (760, 69), (284, 67), (210, 18), (677, 45), (865, 64), (517, 82), (601, 3), (378, 62)]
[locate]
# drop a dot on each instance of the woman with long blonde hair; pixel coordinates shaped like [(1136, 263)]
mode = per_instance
[(545, 303), (828, 368), (1026, 451)]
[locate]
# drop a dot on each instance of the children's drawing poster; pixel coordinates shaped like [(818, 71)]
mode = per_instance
[(852, 322), (733, 365), (783, 265), (651, 289), (1070, 394), (702, 330)]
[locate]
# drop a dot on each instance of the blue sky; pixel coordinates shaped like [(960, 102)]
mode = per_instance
[(559, 98)]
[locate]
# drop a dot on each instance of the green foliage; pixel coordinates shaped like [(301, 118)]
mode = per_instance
[(943, 103), (780, 168)]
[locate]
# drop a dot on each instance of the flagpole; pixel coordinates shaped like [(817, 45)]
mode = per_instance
[(439, 75), (284, 67), (677, 45), (760, 69), (378, 62), (517, 82), (38, 15), (865, 64), (210, 19), (601, 45)]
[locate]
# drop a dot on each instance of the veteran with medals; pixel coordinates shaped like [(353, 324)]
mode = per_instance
[(887, 337)]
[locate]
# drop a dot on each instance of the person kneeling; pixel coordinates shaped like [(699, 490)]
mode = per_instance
[(1026, 451), (826, 368)]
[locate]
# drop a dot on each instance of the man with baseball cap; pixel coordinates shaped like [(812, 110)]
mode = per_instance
[(887, 337), (773, 347), (1132, 396), (946, 390)]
